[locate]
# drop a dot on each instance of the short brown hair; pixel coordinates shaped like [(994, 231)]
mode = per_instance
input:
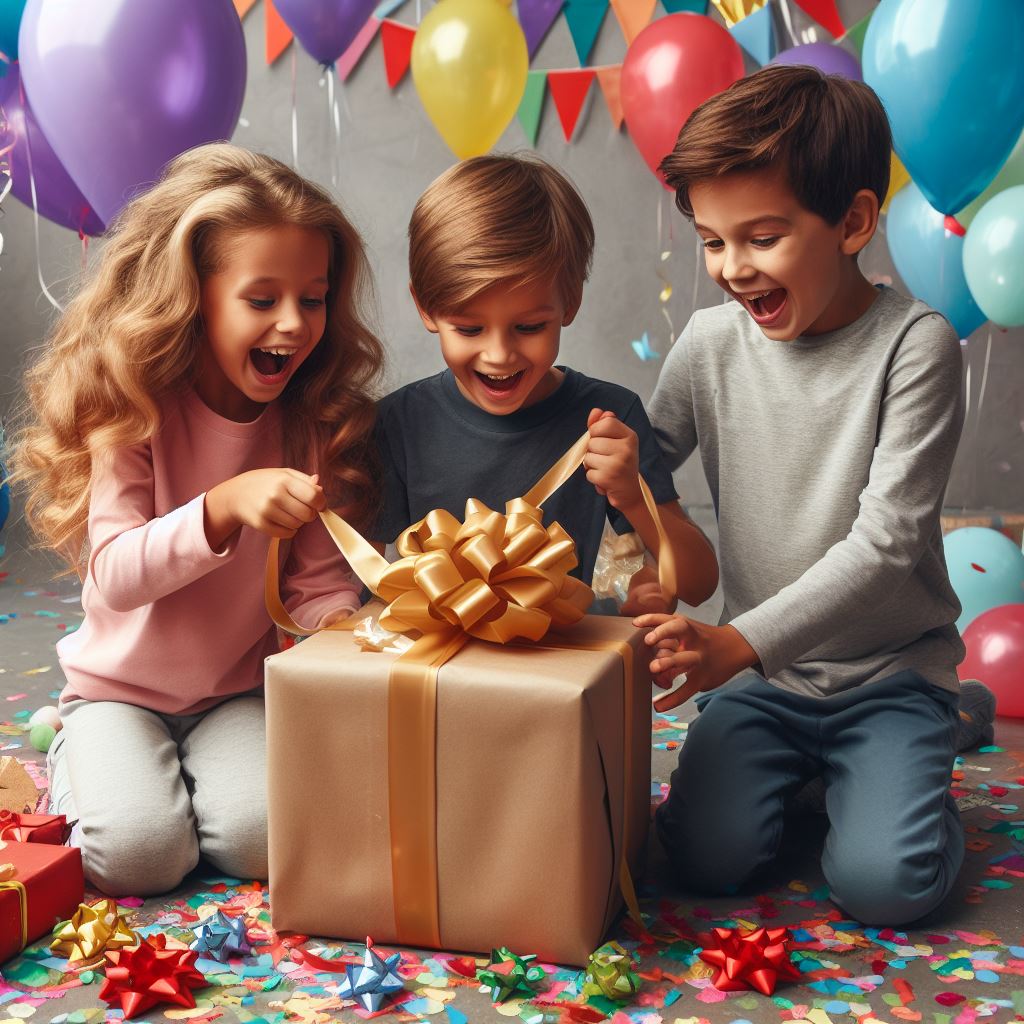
[(503, 218), (830, 134)]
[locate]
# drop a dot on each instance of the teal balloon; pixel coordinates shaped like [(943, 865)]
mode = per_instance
[(929, 258), (986, 569), (994, 257), (950, 74), (10, 21)]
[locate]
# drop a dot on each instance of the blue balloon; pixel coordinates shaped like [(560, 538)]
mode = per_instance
[(994, 257), (986, 569), (10, 21), (951, 76), (930, 258)]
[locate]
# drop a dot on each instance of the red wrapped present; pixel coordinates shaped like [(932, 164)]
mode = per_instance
[(34, 828), (40, 885)]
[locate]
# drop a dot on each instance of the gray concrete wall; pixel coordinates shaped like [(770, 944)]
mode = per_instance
[(389, 152)]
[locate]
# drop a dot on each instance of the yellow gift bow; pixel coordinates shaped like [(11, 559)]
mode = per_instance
[(93, 929), (495, 577), (8, 881)]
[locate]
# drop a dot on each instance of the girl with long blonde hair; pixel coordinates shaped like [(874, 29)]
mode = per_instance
[(209, 387)]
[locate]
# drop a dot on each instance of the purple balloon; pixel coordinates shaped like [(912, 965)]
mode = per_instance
[(326, 28), (120, 87), (57, 196), (826, 57)]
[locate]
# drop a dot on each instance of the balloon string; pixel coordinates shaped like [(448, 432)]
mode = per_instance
[(35, 208), (332, 114), (295, 116)]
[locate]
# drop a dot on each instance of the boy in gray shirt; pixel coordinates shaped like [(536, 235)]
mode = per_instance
[(827, 413)]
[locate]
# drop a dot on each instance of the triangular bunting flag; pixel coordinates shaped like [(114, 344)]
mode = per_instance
[(825, 14), (898, 177), (856, 34), (634, 16), (610, 80), (532, 104), (585, 18), (278, 34), (243, 7), (350, 58), (685, 6), (396, 41), (386, 8), (536, 17), (756, 34), (569, 90)]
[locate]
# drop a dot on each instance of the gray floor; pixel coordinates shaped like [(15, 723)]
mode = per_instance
[(965, 963)]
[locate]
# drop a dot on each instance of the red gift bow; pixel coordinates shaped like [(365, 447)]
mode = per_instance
[(149, 974), (34, 828), (756, 959)]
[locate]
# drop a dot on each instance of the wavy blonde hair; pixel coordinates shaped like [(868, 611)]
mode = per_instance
[(132, 334)]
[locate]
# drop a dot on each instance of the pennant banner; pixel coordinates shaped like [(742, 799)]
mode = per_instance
[(634, 16), (396, 40), (825, 14), (244, 6), (685, 6), (350, 58), (536, 17), (278, 34), (610, 80), (856, 34), (532, 104), (756, 34), (569, 89), (585, 18)]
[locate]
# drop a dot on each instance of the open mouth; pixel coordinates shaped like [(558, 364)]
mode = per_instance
[(500, 383), (766, 307), (270, 363)]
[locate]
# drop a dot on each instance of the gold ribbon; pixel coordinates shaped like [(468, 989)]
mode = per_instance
[(494, 577), (19, 888)]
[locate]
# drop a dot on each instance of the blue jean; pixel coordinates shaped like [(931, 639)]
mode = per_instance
[(885, 751)]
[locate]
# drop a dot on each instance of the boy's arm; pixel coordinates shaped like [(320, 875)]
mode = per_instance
[(393, 515), (919, 427)]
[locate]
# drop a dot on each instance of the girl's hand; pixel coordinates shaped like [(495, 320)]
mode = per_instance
[(707, 655), (274, 501), (613, 460)]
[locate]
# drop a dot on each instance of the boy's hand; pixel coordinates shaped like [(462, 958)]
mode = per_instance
[(274, 501), (708, 655), (613, 460)]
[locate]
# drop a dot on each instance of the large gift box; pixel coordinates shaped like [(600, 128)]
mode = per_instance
[(514, 828), (40, 885)]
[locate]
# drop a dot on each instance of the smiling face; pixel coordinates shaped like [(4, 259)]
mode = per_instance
[(502, 346), (264, 311), (794, 273)]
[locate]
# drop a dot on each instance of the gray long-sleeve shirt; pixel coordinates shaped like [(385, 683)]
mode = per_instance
[(827, 459)]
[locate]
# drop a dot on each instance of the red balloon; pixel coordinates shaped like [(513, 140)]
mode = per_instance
[(995, 655), (670, 69)]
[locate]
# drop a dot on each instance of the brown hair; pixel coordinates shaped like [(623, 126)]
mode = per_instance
[(133, 334), (513, 219), (830, 134)]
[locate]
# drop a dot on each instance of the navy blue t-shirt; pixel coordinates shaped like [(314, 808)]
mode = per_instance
[(438, 449)]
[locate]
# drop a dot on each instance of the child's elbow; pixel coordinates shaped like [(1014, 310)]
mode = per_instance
[(700, 584)]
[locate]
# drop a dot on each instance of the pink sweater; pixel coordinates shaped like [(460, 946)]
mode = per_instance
[(171, 625)]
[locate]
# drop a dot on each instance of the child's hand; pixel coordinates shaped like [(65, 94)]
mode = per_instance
[(708, 655), (274, 501), (613, 461), (645, 594)]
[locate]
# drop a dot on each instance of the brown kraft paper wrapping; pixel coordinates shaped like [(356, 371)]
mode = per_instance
[(530, 787)]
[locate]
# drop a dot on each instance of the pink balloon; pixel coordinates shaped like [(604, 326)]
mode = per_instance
[(995, 655), (670, 69)]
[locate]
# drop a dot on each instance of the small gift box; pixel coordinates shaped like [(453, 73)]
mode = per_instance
[(52, 829), (487, 787), (40, 886)]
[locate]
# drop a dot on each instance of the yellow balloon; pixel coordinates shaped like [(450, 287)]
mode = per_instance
[(469, 63)]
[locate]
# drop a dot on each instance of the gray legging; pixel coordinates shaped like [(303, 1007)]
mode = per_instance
[(151, 791)]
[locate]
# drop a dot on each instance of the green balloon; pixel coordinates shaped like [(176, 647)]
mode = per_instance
[(994, 258), (41, 736), (1010, 174)]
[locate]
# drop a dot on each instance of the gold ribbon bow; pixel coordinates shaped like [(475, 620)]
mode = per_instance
[(8, 881), (94, 929), (495, 577)]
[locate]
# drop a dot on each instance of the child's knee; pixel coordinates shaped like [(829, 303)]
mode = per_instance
[(132, 859), (236, 841)]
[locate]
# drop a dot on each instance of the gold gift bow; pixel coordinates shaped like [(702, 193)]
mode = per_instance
[(519, 588), (22, 893)]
